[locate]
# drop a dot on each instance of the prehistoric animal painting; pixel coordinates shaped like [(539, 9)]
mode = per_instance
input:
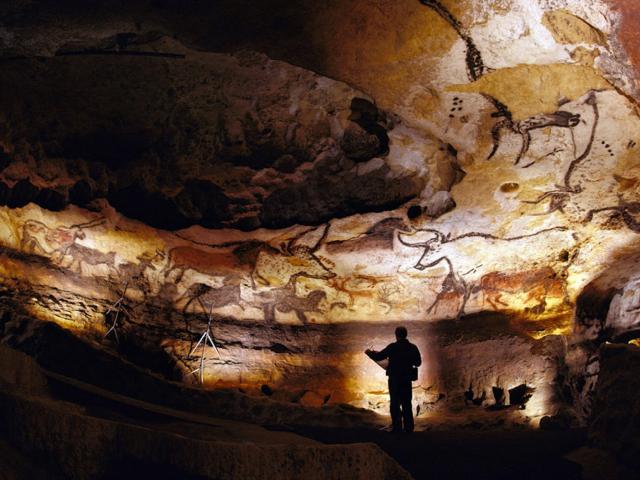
[(378, 237), (285, 299), (81, 255), (627, 211), (210, 298), (559, 197), (536, 284), (135, 273), (454, 285), (214, 264), (575, 192), (291, 261), (360, 290), (476, 69), (560, 118), (356, 288), (38, 238), (62, 246)]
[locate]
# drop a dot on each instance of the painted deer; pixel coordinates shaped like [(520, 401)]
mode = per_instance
[(357, 288), (454, 284), (291, 261)]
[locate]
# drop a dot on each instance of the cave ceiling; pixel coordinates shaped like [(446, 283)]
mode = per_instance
[(296, 163)]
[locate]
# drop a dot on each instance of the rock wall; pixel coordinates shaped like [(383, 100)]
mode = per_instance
[(616, 407), (203, 138), (72, 440), (465, 168)]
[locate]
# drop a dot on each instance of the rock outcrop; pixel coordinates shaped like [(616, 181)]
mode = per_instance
[(74, 442), (202, 138), (616, 407)]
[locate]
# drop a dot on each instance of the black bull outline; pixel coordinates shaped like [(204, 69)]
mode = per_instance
[(453, 281)]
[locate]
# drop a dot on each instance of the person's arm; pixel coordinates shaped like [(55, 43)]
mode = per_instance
[(417, 359), (377, 356)]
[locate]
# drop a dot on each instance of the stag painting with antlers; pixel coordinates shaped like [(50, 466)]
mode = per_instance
[(454, 284), (293, 260)]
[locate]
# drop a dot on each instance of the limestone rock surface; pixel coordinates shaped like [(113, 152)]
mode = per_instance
[(72, 441), (198, 138), (468, 169)]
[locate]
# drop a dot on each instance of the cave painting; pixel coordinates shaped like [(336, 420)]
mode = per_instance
[(213, 297), (590, 180), (357, 289), (452, 287), (523, 127), (213, 264), (285, 300), (517, 252), (455, 287), (61, 245), (272, 273), (560, 196), (291, 261), (476, 69), (473, 58), (575, 193), (81, 255), (628, 211), (537, 284), (134, 274), (39, 239), (582, 194)]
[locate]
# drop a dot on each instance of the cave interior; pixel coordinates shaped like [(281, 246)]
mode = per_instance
[(210, 210)]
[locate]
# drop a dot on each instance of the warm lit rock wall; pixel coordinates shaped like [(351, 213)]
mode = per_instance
[(484, 160), (71, 441), (295, 319), (207, 139)]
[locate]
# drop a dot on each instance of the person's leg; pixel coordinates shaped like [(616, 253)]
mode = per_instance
[(394, 407), (407, 409)]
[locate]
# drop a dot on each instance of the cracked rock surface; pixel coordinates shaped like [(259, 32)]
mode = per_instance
[(468, 169)]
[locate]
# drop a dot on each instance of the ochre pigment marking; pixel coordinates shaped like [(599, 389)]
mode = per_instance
[(530, 90)]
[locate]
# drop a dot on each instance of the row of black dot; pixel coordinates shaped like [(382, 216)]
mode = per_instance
[(457, 106), (608, 147)]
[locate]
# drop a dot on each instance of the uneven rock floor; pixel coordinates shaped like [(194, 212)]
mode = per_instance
[(475, 445), (468, 454)]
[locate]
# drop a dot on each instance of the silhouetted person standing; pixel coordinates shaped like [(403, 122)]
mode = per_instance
[(403, 357)]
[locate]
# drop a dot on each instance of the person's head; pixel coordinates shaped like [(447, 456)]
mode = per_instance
[(401, 333)]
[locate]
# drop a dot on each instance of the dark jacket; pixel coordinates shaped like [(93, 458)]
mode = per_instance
[(402, 355)]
